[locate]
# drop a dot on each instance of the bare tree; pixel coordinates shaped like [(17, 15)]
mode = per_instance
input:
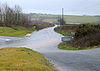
[(18, 12), (0, 14), (13, 16)]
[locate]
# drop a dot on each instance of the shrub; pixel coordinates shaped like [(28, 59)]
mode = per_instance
[(87, 35), (84, 30)]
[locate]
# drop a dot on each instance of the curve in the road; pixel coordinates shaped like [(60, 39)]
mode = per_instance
[(45, 41)]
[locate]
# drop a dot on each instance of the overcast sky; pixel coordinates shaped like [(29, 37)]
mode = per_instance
[(74, 7)]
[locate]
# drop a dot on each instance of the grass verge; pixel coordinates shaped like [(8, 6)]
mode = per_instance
[(64, 46), (16, 31), (23, 59)]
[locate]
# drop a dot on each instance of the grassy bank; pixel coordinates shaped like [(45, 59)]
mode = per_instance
[(16, 31), (22, 30), (87, 36), (23, 59), (64, 46)]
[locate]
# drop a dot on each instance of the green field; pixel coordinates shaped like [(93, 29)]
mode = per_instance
[(16, 31), (68, 18), (23, 59), (82, 19)]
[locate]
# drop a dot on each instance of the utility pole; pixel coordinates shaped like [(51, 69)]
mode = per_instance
[(62, 17), (61, 20)]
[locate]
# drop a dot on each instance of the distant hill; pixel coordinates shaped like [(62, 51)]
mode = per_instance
[(68, 18)]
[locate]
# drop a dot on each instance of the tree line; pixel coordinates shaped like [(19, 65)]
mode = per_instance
[(12, 16)]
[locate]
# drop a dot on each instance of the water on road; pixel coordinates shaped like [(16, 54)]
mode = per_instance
[(45, 41)]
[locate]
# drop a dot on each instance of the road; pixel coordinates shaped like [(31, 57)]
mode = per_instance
[(45, 41)]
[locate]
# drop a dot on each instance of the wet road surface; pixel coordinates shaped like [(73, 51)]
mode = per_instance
[(45, 41)]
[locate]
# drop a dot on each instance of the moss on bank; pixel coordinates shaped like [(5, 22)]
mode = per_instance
[(16, 31), (64, 46), (23, 59)]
